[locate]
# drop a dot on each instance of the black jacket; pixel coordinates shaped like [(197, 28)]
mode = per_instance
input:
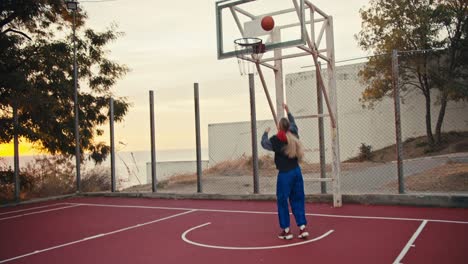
[(282, 161)]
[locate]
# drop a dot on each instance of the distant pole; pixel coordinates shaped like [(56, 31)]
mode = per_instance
[(16, 151), (153, 143), (323, 171), (198, 141), (253, 122), (396, 100), (73, 5), (112, 143)]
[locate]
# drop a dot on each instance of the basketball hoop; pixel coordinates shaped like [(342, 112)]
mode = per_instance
[(249, 51)]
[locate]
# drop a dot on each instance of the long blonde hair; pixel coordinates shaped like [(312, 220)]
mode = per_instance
[(294, 148)]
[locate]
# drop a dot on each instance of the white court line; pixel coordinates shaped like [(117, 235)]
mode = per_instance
[(410, 243), (259, 212), (94, 237), (184, 237), (33, 208), (39, 212), (391, 218), (134, 206)]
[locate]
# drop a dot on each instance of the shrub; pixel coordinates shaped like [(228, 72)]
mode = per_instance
[(53, 175), (365, 152), (7, 184), (97, 179)]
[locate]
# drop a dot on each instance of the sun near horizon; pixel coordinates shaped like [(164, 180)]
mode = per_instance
[(25, 148)]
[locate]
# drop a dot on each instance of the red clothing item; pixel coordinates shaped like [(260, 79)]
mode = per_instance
[(282, 136)]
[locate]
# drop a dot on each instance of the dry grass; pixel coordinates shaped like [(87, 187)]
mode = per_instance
[(230, 168), (450, 177), (452, 142), (413, 148), (51, 176), (96, 180), (242, 167)]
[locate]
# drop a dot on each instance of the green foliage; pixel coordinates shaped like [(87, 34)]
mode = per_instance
[(37, 77), (389, 25), (416, 25), (365, 152)]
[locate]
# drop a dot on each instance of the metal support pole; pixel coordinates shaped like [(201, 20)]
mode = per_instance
[(153, 143), (333, 104), (77, 129), (323, 169), (253, 122), (112, 143), (279, 84), (267, 94), (198, 141), (16, 151), (396, 100)]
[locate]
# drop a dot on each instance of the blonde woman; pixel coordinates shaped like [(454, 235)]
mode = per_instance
[(290, 184)]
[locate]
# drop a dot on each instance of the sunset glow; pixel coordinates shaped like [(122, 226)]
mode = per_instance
[(25, 148)]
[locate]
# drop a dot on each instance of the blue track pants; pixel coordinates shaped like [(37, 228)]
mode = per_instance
[(290, 186)]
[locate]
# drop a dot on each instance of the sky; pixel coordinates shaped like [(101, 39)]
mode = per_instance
[(169, 46)]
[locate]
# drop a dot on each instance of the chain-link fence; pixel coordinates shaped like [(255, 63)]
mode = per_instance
[(367, 132), (434, 121), (429, 132), (226, 148)]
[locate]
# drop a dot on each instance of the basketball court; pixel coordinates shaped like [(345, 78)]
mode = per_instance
[(137, 230)]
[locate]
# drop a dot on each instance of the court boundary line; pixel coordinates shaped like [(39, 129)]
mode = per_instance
[(404, 251), (39, 212), (32, 208), (410, 243), (184, 238), (260, 212), (95, 236)]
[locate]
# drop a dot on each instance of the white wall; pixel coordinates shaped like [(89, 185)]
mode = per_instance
[(356, 124)]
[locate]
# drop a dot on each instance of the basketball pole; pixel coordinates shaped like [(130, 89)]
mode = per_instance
[(262, 78), (278, 72)]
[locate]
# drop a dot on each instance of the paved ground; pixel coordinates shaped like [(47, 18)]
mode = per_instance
[(362, 180), (119, 230)]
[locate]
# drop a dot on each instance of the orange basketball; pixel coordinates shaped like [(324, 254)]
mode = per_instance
[(268, 23)]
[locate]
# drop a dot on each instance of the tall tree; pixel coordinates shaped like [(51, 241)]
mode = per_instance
[(407, 25), (36, 69), (452, 17)]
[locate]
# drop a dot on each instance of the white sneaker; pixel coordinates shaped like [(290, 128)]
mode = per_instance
[(286, 234), (303, 232)]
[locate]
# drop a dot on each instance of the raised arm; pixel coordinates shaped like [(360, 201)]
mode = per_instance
[(266, 143), (292, 127)]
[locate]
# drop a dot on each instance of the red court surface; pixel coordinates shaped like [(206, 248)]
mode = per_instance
[(121, 230)]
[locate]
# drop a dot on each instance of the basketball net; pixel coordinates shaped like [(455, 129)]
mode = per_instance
[(249, 52)]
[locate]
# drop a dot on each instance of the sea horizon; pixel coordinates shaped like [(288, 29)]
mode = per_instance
[(131, 166)]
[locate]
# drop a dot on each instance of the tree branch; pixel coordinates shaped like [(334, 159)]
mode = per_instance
[(17, 32)]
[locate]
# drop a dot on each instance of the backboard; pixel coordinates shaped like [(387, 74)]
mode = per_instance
[(242, 18)]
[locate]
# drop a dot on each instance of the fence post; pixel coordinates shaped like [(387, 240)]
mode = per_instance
[(198, 141), (16, 151), (323, 169), (253, 122), (112, 143), (396, 100), (153, 143)]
